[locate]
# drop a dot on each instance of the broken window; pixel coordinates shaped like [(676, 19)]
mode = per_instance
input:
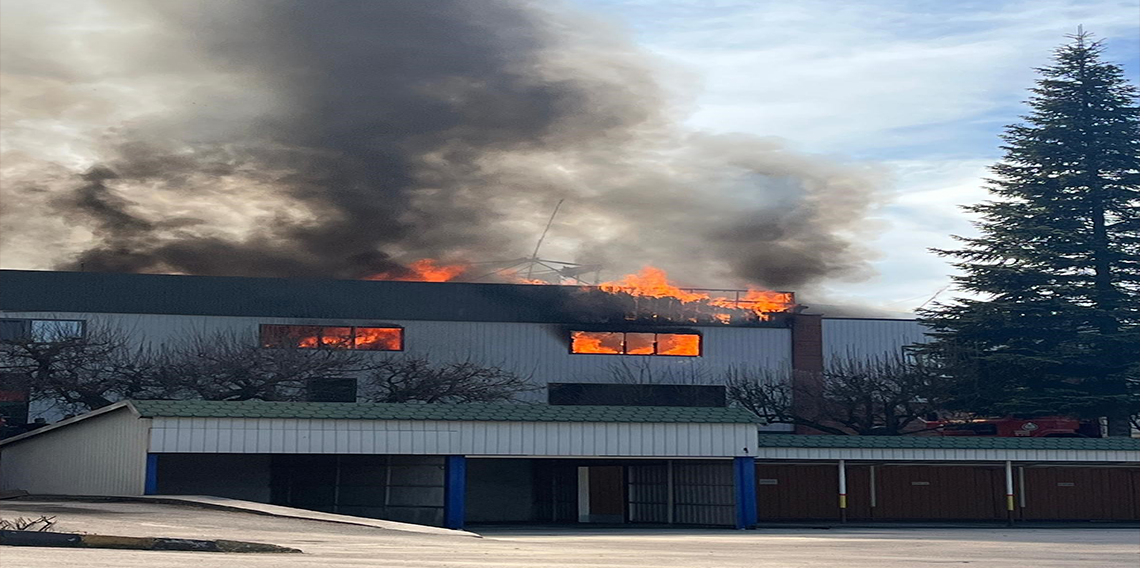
[(604, 342), (635, 343), (332, 337), (379, 338), (681, 344)]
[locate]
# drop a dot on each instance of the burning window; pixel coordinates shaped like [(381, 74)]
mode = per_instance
[(635, 343), (332, 337)]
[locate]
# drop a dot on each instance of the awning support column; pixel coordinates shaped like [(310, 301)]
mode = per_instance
[(744, 474), (151, 485), (455, 492), (1009, 492), (842, 491)]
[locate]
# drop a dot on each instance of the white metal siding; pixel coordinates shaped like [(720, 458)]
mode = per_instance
[(862, 339), (918, 454), (547, 439), (102, 455), (530, 349)]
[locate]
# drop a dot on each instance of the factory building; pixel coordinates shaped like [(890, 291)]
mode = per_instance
[(457, 464), (552, 334)]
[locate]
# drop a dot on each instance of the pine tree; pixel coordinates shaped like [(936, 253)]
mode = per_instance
[(1051, 321)]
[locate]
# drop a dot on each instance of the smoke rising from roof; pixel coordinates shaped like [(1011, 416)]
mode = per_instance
[(342, 138)]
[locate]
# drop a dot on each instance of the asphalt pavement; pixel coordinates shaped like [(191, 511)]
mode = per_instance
[(332, 544)]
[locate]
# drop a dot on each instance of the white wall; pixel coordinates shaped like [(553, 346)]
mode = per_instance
[(426, 437), (101, 455)]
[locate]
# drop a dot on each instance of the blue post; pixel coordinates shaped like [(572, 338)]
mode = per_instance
[(744, 473), (151, 487), (455, 492)]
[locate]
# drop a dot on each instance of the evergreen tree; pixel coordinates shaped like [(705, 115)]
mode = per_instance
[(1051, 324)]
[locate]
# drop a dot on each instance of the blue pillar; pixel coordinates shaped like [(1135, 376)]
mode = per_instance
[(744, 473), (151, 487), (455, 492)]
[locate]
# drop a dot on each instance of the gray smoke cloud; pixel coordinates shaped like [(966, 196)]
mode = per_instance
[(342, 138)]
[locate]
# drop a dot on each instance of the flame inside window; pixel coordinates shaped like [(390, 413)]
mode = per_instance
[(633, 343), (639, 343), (332, 337), (336, 337), (684, 344), (596, 342), (380, 338)]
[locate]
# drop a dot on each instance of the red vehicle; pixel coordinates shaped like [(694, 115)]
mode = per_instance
[(1045, 426)]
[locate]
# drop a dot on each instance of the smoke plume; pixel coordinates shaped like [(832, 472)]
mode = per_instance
[(343, 138)]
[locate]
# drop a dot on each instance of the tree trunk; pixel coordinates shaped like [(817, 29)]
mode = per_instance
[(1119, 425)]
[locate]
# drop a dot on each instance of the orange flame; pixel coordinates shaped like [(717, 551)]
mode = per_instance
[(654, 282), (424, 270), (596, 342), (650, 282)]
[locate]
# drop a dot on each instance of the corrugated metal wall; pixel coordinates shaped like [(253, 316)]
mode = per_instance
[(398, 488), (862, 339), (298, 436), (648, 493), (704, 493), (537, 350), (102, 455)]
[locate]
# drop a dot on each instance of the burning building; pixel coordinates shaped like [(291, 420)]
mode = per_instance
[(639, 330), (564, 462)]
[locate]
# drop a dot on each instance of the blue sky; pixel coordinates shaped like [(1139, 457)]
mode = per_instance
[(921, 89)]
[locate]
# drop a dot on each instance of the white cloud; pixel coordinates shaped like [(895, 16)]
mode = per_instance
[(924, 88)]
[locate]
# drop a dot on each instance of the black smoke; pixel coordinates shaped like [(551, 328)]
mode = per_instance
[(343, 137)]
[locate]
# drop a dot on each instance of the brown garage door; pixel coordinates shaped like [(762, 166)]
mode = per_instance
[(1082, 493), (941, 492), (810, 492)]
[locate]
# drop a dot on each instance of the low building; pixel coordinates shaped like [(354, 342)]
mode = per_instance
[(452, 465)]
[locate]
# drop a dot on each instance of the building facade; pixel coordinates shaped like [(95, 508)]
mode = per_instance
[(550, 334)]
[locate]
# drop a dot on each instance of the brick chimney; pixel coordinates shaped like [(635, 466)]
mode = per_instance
[(807, 366)]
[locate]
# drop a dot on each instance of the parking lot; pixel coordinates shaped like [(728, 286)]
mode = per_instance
[(341, 545)]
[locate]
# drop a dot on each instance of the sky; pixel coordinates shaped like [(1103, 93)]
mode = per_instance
[(920, 88), (822, 145)]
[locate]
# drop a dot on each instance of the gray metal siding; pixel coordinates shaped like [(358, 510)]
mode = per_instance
[(531, 349), (102, 455), (863, 339)]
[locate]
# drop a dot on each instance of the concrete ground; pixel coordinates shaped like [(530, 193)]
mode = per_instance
[(328, 544)]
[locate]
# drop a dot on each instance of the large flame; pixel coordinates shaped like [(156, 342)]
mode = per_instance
[(649, 282), (654, 283), (424, 270)]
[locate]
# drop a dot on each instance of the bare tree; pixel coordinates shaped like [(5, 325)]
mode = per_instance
[(80, 371), (233, 366), (104, 365), (879, 396), (417, 379)]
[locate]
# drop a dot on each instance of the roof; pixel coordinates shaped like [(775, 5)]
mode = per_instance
[(947, 442), (92, 292), (489, 412)]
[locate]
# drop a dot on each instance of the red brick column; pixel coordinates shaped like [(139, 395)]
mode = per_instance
[(807, 366)]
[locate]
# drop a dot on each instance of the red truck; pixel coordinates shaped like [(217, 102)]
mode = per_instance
[(1045, 426)]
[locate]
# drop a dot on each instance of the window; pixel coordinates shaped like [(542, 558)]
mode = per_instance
[(635, 343), (42, 331), (332, 337)]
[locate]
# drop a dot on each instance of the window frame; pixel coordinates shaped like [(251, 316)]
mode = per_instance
[(624, 344), (320, 342), (28, 329)]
